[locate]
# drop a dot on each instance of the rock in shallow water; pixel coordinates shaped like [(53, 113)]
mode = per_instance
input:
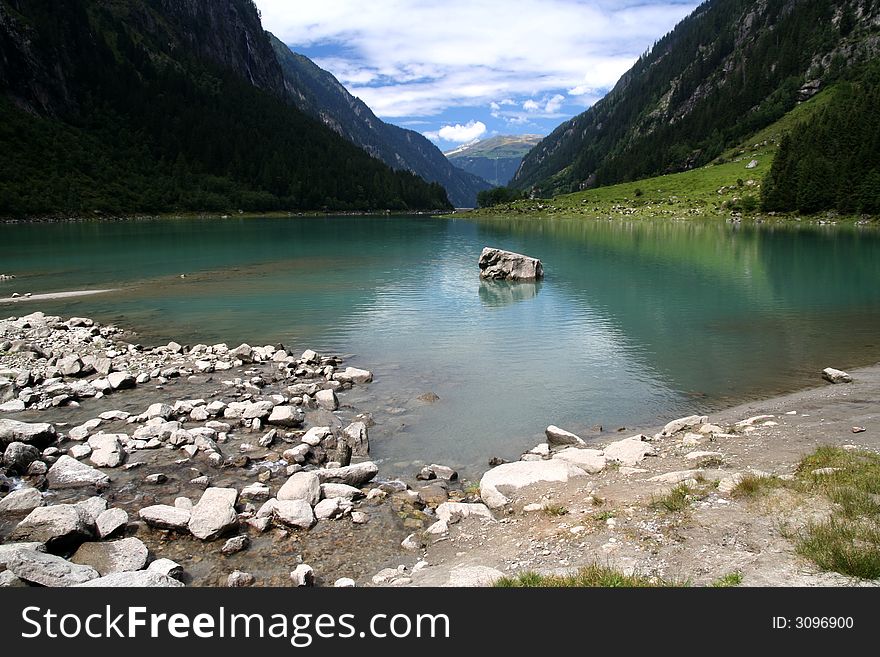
[(214, 514), (836, 376), (496, 264), (58, 526), (23, 500), (67, 472), (47, 569), (140, 579), (126, 554), (163, 516)]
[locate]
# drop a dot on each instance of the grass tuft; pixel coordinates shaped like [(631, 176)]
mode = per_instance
[(727, 581), (675, 501), (752, 486), (555, 510), (594, 576)]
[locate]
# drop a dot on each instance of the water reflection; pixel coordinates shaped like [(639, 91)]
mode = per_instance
[(497, 294)]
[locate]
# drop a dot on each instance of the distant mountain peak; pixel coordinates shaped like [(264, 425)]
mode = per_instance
[(495, 159), (462, 148)]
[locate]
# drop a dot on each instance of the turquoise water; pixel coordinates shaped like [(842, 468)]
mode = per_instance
[(635, 323)]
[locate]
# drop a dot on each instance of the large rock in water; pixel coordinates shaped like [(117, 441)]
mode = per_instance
[(496, 264), (510, 477), (37, 433), (301, 486), (354, 475), (214, 514), (836, 376)]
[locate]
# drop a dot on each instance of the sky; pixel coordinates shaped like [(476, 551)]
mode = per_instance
[(461, 70)]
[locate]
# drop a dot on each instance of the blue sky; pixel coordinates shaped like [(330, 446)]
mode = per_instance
[(458, 70)]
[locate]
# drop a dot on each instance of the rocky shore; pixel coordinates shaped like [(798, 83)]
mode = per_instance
[(198, 465), (206, 465)]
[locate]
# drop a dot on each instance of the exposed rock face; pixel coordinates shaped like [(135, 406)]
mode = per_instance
[(510, 477), (496, 264), (591, 461)]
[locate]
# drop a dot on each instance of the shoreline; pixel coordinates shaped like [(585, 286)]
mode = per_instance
[(607, 514), (432, 531)]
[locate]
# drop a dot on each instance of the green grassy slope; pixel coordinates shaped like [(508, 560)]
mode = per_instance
[(717, 189)]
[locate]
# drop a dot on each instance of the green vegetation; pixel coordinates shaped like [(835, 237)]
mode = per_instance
[(727, 581), (676, 500), (848, 541), (752, 486), (497, 196), (730, 69), (594, 576), (140, 121), (831, 160), (554, 510)]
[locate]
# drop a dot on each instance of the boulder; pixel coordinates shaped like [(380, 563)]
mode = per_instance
[(258, 410), (59, 526), (124, 555), (141, 579), (591, 461), (163, 516), (214, 514), (67, 472), (286, 416), (166, 567), (93, 506), (681, 424), (452, 512), (239, 579), (496, 264), (354, 375), (235, 544), (302, 486), (7, 549), (256, 492), (107, 450), (353, 475), (629, 451), (343, 491), (836, 376), (17, 456), (111, 521), (511, 477), (47, 569), (121, 380), (21, 501), (559, 437), (357, 437), (163, 411), (297, 513), (327, 400), (329, 509), (39, 434), (303, 575)]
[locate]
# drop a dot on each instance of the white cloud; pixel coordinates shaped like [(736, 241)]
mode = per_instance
[(531, 106), (458, 133), (397, 56), (554, 104)]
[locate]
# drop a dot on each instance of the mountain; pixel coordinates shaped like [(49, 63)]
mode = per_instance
[(497, 159), (317, 93), (167, 105), (729, 69)]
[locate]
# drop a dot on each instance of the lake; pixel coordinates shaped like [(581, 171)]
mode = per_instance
[(636, 323)]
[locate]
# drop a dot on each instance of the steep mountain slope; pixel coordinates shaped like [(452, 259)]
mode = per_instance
[(729, 69), (317, 93), (496, 159), (130, 106)]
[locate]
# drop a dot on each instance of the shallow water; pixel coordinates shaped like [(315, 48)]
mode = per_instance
[(635, 323)]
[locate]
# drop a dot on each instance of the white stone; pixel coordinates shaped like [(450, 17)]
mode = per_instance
[(836, 376), (557, 437), (511, 477), (214, 514), (353, 475), (23, 500), (591, 461), (303, 575), (297, 513), (629, 451), (286, 416), (327, 400), (344, 583), (166, 567), (110, 521), (677, 477), (328, 509), (140, 579), (302, 486), (688, 422), (453, 512), (163, 516), (48, 569), (107, 450), (700, 454)]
